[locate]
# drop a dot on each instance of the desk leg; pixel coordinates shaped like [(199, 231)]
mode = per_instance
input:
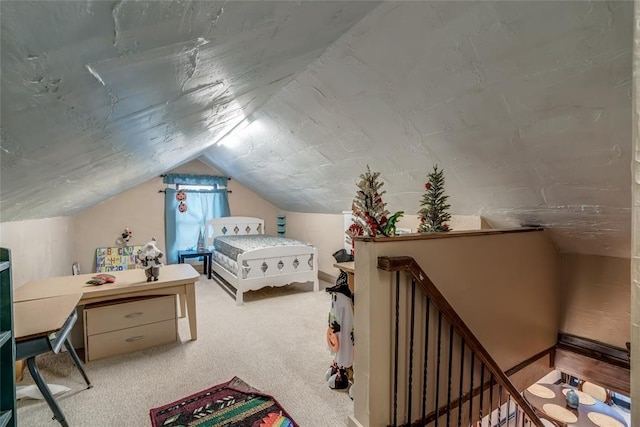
[(183, 307), (76, 360), (191, 308), (46, 393)]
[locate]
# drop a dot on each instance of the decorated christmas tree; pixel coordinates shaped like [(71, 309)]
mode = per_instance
[(368, 208), (433, 215)]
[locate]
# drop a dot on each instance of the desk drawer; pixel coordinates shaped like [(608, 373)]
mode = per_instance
[(121, 315), (131, 339)]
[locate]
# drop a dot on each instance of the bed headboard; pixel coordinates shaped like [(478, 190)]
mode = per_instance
[(233, 226)]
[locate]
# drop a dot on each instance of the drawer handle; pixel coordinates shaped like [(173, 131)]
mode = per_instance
[(132, 315), (132, 339)]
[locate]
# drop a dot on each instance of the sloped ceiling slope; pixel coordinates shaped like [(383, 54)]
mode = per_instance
[(526, 107), (97, 96)]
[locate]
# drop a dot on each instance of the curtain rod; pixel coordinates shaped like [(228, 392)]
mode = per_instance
[(163, 175), (164, 191)]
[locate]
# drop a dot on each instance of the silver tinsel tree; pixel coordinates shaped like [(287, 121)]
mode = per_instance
[(433, 215), (368, 208)]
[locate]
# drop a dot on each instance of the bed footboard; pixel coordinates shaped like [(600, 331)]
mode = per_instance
[(272, 267)]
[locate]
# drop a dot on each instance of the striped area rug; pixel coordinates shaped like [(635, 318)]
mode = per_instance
[(234, 403)]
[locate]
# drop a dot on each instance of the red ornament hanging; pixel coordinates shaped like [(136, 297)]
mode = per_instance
[(182, 207), (181, 196)]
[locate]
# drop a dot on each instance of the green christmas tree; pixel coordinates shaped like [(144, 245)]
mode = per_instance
[(433, 215), (368, 208)]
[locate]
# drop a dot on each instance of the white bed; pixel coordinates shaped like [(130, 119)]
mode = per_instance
[(254, 268)]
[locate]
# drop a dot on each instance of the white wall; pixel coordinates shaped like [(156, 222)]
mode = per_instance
[(39, 248), (595, 294), (324, 231), (635, 189)]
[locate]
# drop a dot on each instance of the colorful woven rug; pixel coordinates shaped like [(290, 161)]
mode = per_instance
[(234, 403)]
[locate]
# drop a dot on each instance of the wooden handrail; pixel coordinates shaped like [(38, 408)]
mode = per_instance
[(520, 366), (410, 266)]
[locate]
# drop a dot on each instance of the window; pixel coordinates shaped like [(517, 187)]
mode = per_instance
[(193, 200), (621, 401)]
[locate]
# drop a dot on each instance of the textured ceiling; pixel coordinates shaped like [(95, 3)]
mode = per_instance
[(98, 97), (525, 105)]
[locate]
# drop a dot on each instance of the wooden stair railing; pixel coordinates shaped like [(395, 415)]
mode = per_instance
[(494, 400)]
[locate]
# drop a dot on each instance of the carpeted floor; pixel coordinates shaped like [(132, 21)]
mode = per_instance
[(275, 342)]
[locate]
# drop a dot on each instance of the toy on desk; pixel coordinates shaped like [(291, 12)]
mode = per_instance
[(149, 256), (101, 279)]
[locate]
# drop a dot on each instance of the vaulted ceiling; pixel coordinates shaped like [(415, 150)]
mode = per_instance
[(526, 106)]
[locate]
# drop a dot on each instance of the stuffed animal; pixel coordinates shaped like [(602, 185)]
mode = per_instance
[(149, 257)]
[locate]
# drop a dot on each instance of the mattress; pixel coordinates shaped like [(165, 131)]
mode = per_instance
[(226, 262), (232, 246)]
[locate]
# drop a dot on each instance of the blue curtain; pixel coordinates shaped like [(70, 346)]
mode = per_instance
[(183, 228)]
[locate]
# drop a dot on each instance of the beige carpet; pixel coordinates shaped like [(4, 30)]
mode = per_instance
[(275, 342)]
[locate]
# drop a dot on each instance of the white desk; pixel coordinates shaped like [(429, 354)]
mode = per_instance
[(174, 279)]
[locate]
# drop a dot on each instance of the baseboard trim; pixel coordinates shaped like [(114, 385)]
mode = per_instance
[(327, 277)]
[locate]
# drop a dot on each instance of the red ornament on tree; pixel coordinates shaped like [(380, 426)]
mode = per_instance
[(427, 186)]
